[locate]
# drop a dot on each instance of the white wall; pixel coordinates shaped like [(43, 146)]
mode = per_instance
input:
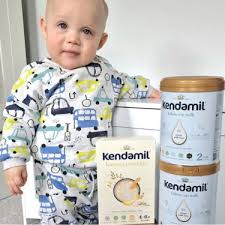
[(12, 58), (1, 92), (159, 38)]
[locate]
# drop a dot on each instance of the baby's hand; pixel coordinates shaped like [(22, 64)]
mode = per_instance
[(155, 94), (16, 177)]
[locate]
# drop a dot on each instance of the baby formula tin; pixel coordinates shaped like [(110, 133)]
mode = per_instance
[(187, 194), (191, 114)]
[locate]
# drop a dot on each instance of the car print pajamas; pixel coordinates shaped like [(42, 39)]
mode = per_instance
[(56, 116)]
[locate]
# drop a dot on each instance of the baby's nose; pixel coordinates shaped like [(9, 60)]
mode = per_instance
[(73, 37)]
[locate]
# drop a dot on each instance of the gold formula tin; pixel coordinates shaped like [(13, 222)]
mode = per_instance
[(187, 194), (191, 119)]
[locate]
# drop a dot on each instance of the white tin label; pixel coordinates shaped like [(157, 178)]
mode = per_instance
[(191, 127), (187, 199)]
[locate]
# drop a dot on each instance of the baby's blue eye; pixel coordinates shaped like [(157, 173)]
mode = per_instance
[(62, 25), (87, 31)]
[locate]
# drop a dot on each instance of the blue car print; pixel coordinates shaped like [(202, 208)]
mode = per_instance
[(116, 84), (4, 152), (53, 154), (19, 134), (56, 89), (57, 182), (46, 204), (85, 118), (61, 106), (44, 76), (15, 111)]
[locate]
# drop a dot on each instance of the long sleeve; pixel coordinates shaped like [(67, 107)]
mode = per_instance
[(129, 87), (134, 87), (21, 114)]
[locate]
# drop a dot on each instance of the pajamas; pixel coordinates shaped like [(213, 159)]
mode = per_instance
[(66, 195), (56, 116)]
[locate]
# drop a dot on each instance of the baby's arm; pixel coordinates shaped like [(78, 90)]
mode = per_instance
[(137, 87), (131, 86), (15, 178), (22, 114)]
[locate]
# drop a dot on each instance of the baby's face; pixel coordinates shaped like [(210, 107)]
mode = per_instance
[(74, 31)]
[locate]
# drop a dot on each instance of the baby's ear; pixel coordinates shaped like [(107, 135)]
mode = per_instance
[(103, 40), (43, 27)]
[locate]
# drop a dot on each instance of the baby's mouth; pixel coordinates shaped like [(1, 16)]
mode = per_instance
[(71, 53)]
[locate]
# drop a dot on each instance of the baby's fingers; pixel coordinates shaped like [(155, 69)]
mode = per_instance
[(15, 183), (14, 188), (24, 177), (19, 181), (155, 93), (17, 190)]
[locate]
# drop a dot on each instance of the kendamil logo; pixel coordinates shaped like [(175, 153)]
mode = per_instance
[(185, 187), (126, 156), (200, 106)]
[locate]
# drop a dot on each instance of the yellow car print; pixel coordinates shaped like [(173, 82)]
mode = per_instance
[(85, 157), (87, 86), (19, 83), (78, 183), (9, 123), (42, 117), (142, 82), (69, 203), (22, 150), (22, 80), (126, 88), (27, 73), (106, 113)]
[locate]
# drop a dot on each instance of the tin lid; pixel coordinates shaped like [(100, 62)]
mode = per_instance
[(192, 84), (202, 170)]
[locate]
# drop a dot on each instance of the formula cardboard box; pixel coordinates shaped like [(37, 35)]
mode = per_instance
[(126, 180)]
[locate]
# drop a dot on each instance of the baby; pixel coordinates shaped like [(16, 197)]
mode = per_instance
[(59, 107)]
